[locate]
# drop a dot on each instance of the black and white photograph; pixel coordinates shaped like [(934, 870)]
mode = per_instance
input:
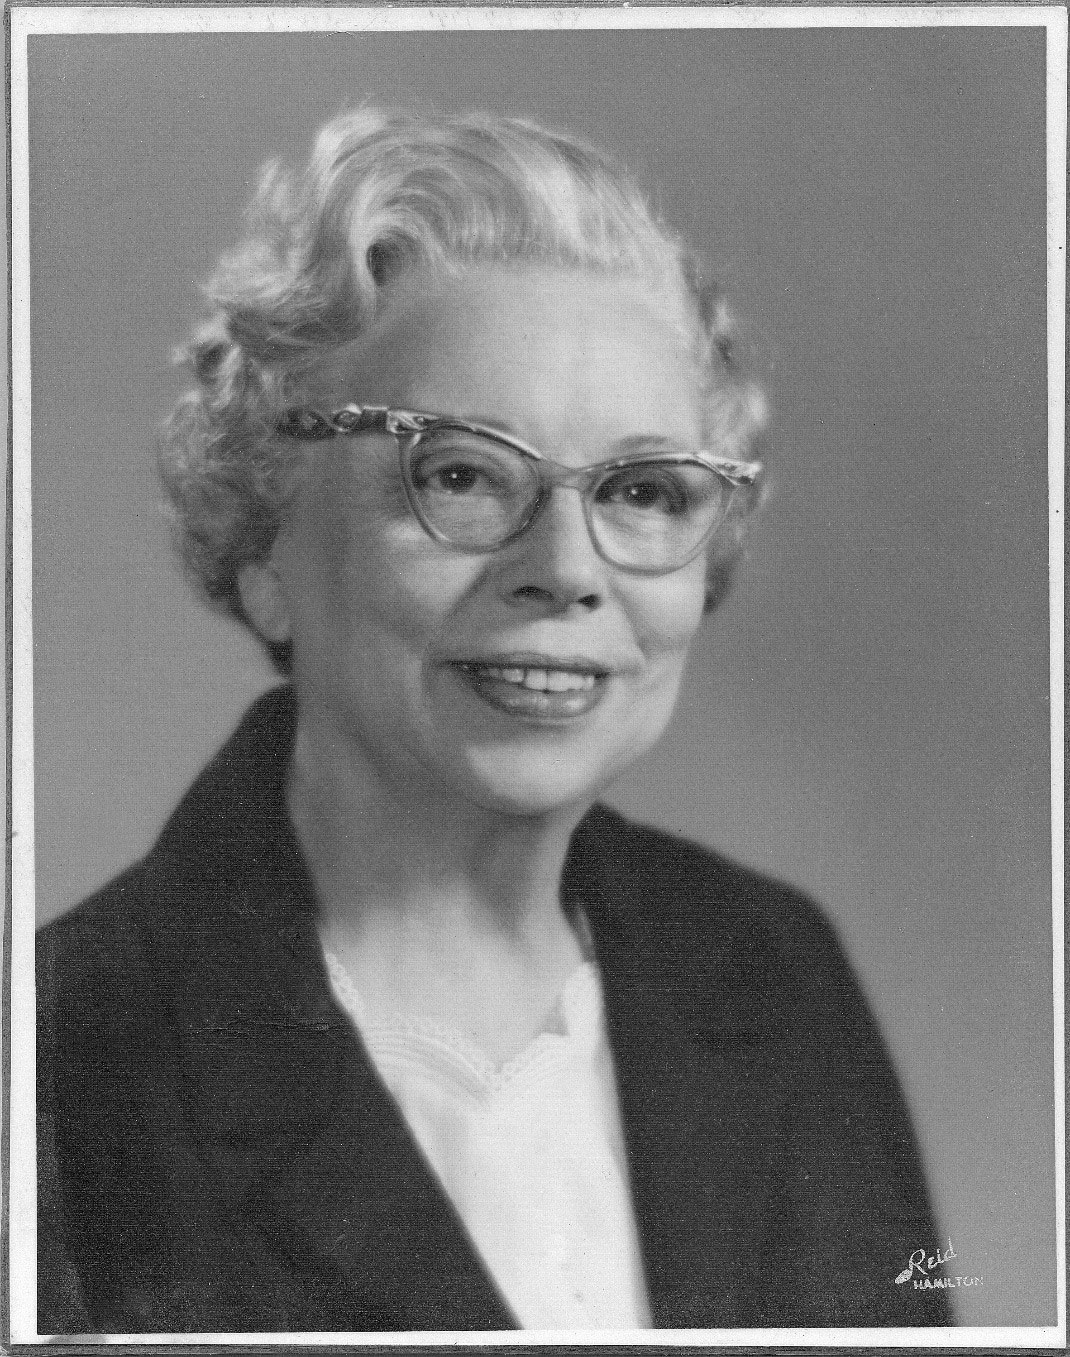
[(535, 708)]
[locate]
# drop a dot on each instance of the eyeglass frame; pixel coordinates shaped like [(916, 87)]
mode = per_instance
[(408, 426)]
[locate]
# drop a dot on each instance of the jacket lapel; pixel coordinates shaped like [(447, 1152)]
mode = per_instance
[(306, 1141), (311, 1147), (695, 1104)]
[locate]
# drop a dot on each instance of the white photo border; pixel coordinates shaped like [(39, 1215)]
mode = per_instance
[(26, 21)]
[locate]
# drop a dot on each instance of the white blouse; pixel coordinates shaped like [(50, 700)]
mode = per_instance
[(530, 1154)]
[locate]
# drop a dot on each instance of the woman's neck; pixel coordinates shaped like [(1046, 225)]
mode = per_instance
[(436, 908)]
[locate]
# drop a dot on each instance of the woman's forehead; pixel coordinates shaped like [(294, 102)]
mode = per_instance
[(510, 344)]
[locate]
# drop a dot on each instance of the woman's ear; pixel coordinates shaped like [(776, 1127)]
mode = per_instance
[(264, 600)]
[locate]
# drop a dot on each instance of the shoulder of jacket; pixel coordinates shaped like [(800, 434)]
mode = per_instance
[(704, 892), (695, 899), (738, 949), (100, 932), (94, 961)]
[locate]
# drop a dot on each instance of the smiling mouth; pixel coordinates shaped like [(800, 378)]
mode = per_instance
[(537, 679), (538, 692)]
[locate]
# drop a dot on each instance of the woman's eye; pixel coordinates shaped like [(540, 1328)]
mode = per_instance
[(456, 467), (456, 475), (457, 479), (647, 492)]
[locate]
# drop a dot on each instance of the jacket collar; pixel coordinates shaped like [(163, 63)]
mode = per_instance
[(303, 1134)]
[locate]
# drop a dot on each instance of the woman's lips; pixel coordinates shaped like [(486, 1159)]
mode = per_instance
[(535, 691)]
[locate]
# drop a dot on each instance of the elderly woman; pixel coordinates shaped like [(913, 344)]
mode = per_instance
[(395, 1028)]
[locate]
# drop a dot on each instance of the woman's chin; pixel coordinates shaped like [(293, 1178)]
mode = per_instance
[(533, 784)]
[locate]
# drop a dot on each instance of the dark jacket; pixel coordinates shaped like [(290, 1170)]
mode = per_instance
[(216, 1152)]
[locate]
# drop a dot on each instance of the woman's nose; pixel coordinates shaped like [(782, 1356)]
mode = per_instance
[(554, 562)]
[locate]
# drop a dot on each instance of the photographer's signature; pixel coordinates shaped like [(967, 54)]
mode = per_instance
[(921, 1269)]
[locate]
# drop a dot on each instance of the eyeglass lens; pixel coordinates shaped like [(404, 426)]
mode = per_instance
[(477, 493)]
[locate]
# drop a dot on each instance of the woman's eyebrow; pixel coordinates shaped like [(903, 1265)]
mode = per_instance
[(652, 442), (490, 422)]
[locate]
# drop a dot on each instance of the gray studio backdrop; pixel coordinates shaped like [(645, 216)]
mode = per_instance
[(868, 715)]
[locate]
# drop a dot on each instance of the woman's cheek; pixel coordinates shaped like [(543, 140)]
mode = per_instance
[(670, 615)]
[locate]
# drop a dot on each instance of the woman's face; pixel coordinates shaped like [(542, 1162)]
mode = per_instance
[(522, 680)]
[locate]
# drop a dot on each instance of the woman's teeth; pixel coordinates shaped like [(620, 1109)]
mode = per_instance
[(539, 680)]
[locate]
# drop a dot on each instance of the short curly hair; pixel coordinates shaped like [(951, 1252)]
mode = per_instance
[(386, 194)]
